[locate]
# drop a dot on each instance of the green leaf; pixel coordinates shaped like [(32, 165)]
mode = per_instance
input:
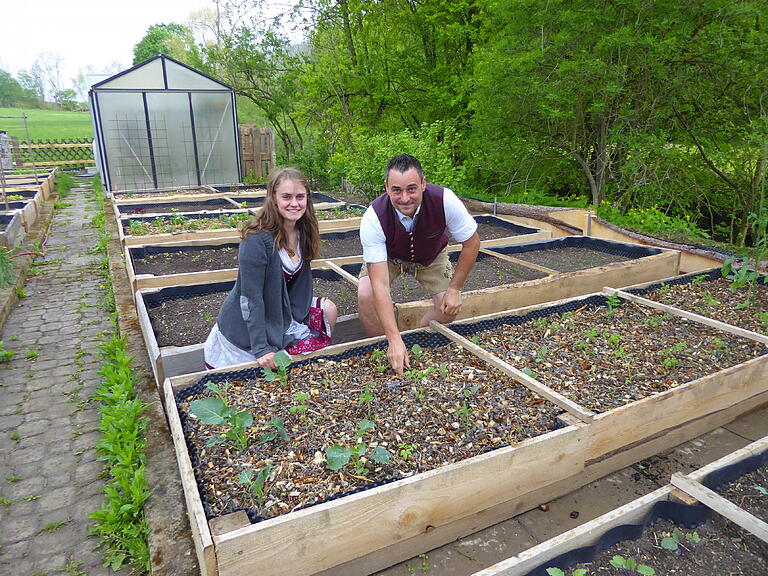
[(281, 359), (242, 419), (363, 427), (580, 572), (266, 437), (555, 572), (209, 410), (618, 562), (669, 544), (645, 570), (380, 455), (279, 425), (337, 457)]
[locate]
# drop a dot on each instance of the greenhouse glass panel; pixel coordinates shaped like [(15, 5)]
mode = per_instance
[(217, 151), (145, 77), (180, 77), (172, 143), (126, 142)]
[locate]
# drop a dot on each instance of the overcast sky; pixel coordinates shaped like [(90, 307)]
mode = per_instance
[(83, 32)]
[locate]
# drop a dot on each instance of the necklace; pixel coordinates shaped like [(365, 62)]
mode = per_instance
[(291, 252)]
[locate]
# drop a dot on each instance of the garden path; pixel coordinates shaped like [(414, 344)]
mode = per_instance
[(49, 474)]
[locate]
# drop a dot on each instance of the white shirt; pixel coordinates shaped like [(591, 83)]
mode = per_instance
[(458, 222)]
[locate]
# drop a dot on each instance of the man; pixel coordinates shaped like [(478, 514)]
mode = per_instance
[(403, 232)]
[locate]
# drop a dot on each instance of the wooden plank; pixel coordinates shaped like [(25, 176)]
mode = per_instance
[(153, 351), (145, 281), (520, 262), (521, 377), (201, 534), (688, 315), (341, 272), (722, 506)]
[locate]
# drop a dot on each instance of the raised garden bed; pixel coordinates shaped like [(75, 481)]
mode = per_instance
[(28, 210), (139, 230), (632, 264), (214, 205), (711, 295), (176, 320), (660, 532), (164, 193), (366, 531), (11, 229)]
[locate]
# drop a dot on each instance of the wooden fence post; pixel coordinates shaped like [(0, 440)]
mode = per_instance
[(257, 150)]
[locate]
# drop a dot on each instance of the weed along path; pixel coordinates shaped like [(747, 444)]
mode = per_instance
[(50, 477)]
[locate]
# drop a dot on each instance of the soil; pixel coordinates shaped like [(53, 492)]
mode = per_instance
[(163, 193), (569, 258), (716, 300), (341, 292), (339, 213), (750, 492), (185, 321), (603, 358), (171, 207), (178, 260), (458, 410), (724, 550)]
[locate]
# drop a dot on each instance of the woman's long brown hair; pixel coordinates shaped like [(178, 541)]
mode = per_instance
[(270, 219)]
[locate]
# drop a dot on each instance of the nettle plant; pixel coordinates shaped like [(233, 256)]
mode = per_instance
[(214, 411), (357, 453), (282, 360)]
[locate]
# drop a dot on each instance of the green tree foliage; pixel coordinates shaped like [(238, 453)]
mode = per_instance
[(12, 94), (173, 40)]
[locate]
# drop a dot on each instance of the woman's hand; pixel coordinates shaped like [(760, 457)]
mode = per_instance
[(267, 361)]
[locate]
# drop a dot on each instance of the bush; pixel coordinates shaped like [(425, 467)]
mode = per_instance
[(654, 222)]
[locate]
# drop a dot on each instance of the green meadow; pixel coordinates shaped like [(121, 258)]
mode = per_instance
[(46, 124)]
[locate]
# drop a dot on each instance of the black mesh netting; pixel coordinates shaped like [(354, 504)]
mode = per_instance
[(596, 244), (708, 276), (354, 234), (684, 515), (501, 223), (154, 299)]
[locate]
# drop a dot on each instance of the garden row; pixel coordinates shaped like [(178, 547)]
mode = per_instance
[(21, 200)]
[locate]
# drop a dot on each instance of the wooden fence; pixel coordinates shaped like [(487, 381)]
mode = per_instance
[(71, 153)]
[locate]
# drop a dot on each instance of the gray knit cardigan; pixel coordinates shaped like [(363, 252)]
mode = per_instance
[(258, 310)]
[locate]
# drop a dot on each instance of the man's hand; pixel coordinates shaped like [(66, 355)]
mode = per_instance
[(267, 361), (397, 354), (451, 305)]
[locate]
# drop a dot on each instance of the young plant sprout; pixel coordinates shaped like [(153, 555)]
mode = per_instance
[(215, 412), (339, 456), (274, 429), (282, 360), (302, 403), (256, 485)]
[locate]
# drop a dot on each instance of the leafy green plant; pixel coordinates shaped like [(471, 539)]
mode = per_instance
[(417, 352), (541, 353), (631, 564), (302, 403), (5, 355), (7, 274), (670, 359), (366, 399), (612, 302), (673, 542), (464, 411), (405, 450), (339, 456), (282, 360), (379, 357), (418, 377), (274, 429), (558, 572), (255, 484), (214, 411), (761, 489)]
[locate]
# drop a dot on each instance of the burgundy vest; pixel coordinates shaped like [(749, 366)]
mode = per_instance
[(426, 240)]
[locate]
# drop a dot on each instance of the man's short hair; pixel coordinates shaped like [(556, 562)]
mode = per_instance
[(402, 163)]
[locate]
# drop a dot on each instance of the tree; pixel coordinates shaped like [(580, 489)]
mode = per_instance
[(13, 94), (174, 40)]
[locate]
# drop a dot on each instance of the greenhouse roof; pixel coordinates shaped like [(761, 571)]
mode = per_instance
[(161, 73)]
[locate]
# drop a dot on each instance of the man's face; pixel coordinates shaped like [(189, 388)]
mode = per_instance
[(405, 190)]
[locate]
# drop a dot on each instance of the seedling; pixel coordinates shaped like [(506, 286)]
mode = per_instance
[(301, 406), (612, 302), (366, 398), (464, 411), (256, 485), (673, 542), (558, 572), (531, 373), (657, 321), (541, 353), (279, 431), (378, 356), (613, 340), (443, 369), (417, 352), (418, 377), (591, 334), (761, 489), (32, 354), (208, 317), (282, 360), (670, 361), (215, 412), (339, 456), (631, 564), (5, 355), (405, 450), (475, 340), (665, 289)]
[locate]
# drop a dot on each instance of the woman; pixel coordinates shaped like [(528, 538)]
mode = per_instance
[(271, 307)]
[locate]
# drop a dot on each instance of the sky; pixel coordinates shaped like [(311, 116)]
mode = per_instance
[(83, 32)]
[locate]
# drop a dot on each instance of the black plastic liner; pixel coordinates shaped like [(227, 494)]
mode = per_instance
[(13, 204), (217, 204), (355, 268), (240, 188), (683, 515), (5, 219), (501, 223), (423, 339), (615, 248)]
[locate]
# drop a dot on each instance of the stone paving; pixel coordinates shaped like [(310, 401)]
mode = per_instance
[(49, 475)]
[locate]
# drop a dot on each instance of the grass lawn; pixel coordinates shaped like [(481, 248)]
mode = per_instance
[(46, 124)]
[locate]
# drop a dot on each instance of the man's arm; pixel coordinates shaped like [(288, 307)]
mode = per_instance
[(452, 300), (397, 353)]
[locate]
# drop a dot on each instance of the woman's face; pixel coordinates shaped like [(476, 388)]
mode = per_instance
[(291, 198)]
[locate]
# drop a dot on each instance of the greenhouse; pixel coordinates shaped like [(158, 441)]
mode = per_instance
[(162, 124)]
